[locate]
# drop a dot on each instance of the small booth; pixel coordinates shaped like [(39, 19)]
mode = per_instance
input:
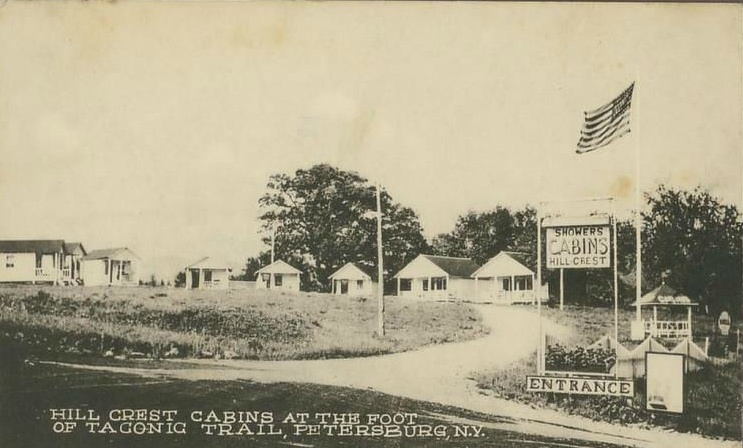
[(671, 318)]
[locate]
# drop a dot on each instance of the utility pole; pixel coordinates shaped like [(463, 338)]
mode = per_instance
[(273, 241), (380, 267)]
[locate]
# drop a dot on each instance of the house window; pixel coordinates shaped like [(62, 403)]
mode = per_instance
[(425, 284), (438, 283), (506, 284), (277, 279), (10, 261), (359, 284), (207, 276), (405, 284)]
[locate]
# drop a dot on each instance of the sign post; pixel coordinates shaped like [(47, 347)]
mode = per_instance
[(587, 240)]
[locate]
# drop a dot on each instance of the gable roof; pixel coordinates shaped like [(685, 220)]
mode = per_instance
[(27, 246), (103, 254), (71, 248), (523, 259), (278, 267), (352, 271), (664, 295), (209, 263), (505, 264), (454, 266)]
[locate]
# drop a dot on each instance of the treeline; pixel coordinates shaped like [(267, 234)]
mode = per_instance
[(322, 217)]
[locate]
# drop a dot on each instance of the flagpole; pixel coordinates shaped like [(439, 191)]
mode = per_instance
[(638, 217), (380, 268), (616, 291)]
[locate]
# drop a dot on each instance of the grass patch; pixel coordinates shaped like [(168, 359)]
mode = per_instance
[(270, 325)]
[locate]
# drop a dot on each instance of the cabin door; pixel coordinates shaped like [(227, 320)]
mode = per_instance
[(194, 278)]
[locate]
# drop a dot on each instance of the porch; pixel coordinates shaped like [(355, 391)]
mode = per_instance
[(506, 289)]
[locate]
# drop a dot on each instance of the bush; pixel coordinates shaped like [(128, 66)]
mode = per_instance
[(579, 359)]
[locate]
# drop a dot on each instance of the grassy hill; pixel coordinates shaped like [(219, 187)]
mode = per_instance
[(250, 324)]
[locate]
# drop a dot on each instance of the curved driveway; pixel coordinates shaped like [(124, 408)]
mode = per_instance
[(440, 374)]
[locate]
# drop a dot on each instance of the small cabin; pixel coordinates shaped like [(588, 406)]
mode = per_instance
[(437, 277), (116, 267), (508, 278), (352, 280), (208, 274), (278, 275)]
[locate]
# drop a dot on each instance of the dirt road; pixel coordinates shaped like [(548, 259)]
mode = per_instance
[(440, 374)]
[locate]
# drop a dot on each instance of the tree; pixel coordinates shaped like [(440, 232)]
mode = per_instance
[(325, 217), (694, 240), (482, 235), (180, 279)]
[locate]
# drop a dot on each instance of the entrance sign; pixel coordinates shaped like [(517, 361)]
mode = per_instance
[(581, 386), (579, 247), (665, 382)]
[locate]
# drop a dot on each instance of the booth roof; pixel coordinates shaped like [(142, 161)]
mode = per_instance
[(664, 295)]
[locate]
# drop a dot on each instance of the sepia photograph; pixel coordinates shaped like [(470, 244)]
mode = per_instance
[(370, 224)]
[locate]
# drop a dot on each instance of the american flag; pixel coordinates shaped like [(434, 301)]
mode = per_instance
[(607, 123)]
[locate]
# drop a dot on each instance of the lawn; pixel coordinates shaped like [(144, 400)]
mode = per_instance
[(49, 322), (713, 394)]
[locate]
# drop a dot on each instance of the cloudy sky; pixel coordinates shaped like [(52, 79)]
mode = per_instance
[(156, 126)]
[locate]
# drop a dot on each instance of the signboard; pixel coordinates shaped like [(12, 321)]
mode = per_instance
[(665, 382), (581, 386), (585, 246), (723, 322)]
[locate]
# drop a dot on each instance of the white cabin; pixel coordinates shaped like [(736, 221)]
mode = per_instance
[(208, 274), (40, 261), (507, 279), (351, 280), (278, 275), (436, 278), (119, 266)]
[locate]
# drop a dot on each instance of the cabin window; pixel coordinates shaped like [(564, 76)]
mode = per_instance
[(359, 284), (438, 283), (277, 279), (425, 284), (207, 276), (105, 267), (506, 284), (405, 284), (523, 283), (10, 261)]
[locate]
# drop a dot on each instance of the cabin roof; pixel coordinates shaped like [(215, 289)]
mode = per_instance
[(455, 266), (104, 254), (36, 246)]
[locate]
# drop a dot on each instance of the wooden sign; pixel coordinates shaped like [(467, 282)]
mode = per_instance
[(580, 386)]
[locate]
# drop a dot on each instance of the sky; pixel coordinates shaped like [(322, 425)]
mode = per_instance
[(155, 126)]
